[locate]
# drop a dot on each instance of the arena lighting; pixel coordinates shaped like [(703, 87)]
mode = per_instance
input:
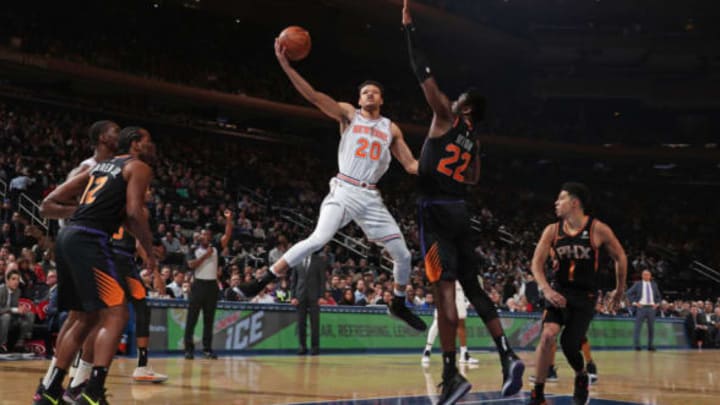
[(675, 145), (665, 166)]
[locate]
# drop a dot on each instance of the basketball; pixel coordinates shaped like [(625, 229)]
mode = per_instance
[(296, 41)]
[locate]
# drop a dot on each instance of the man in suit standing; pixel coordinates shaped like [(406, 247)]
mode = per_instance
[(12, 315), (644, 296), (307, 283)]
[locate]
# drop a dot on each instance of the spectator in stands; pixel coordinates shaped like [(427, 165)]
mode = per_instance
[(348, 297), (174, 289), (12, 315), (715, 330), (171, 243), (18, 185), (429, 303), (327, 298), (233, 293), (531, 291), (360, 293), (282, 292), (280, 248), (186, 290), (264, 296), (696, 327)]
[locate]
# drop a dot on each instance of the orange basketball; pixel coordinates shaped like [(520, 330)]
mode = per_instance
[(296, 41)]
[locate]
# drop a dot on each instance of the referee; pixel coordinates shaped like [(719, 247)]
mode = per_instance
[(204, 290)]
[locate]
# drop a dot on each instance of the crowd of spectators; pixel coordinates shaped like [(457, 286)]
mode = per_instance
[(201, 49), (198, 178)]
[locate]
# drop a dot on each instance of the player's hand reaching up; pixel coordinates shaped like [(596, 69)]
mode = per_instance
[(406, 17), (280, 52)]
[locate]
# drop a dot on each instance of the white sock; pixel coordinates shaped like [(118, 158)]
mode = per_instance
[(82, 374), (463, 352), (74, 366), (48, 375), (398, 293), (428, 347)]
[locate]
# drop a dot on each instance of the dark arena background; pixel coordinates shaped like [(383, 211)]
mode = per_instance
[(621, 95)]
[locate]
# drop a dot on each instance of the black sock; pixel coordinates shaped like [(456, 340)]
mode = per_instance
[(449, 367), (503, 346), (96, 383), (540, 390), (142, 356), (56, 380)]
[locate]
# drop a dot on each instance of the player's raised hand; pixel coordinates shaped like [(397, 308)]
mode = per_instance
[(280, 52), (406, 17)]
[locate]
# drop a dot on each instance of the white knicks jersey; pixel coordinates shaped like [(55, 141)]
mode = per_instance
[(364, 151)]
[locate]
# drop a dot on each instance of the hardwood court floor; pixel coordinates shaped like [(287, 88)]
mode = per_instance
[(665, 377)]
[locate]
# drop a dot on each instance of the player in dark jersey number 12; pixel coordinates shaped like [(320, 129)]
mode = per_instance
[(574, 241), (114, 191), (449, 162)]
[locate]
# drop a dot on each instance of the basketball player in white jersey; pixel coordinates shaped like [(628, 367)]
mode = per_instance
[(462, 305), (104, 135), (368, 142)]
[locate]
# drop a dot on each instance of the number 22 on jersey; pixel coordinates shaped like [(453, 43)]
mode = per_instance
[(94, 185), (458, 173)]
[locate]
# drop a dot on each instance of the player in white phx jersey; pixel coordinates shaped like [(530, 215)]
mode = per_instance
[(367, 142)]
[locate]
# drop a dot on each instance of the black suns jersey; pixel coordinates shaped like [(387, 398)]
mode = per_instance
[(577, 258), (102, 205), (444, 162)]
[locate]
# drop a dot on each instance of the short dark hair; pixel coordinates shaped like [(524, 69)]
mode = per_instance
[(98, 128), (128, 135), (374, 83), (579, 191), (11, 273), (475, 98)]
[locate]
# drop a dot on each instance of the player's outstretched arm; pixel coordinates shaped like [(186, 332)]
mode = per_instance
[(63, 201), (438, 101), (340, 112), (542, 251), (402, 152)]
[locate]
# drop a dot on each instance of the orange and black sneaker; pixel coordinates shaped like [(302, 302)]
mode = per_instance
[(536, 399)]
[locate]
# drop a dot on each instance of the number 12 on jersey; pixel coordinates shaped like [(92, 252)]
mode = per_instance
[(94, 185), (458, 173)]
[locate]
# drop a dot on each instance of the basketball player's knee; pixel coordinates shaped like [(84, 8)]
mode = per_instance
[(479, 299), (317, 240), (570, 344), (399, 252), (547, 338), (451, 318)]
